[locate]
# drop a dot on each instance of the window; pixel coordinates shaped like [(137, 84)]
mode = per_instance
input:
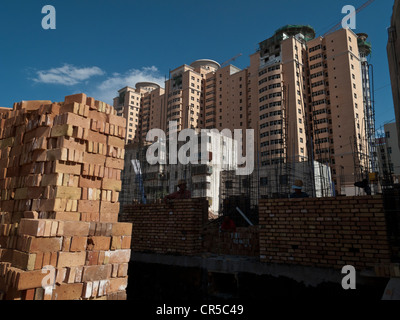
[(353, 76), (302, 150), (387, 134)]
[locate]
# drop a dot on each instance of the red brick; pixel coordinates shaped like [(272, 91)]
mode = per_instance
[(98, 243), (71, 259), (96, 272), (78, 243), (71, 291), (76, 228), (45, 244)]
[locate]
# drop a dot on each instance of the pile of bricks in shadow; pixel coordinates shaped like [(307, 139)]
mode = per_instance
[(60, 178)]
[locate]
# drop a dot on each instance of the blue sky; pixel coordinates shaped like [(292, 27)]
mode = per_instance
[(100, 46)]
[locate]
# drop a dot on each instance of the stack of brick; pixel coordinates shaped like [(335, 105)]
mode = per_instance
[(324, 232), (60, 167), (243, 242), (173, 228)]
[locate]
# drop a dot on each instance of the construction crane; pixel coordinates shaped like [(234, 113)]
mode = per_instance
[(337, 26), (230, 60)]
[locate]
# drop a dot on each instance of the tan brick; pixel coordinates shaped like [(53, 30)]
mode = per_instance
[(71, 259), (111, 184), (121, 229)]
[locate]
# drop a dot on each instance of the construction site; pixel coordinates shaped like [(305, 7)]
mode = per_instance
[(86, 214)]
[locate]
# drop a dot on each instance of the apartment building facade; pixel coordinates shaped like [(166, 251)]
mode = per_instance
[(302, 95)]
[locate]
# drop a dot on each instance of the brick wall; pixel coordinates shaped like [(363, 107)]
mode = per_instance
[(324, 232), (60, 166), (174, 228), (244, 242)]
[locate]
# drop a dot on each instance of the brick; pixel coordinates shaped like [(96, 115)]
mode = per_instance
[(33, 104), (78, 243), (118, 284), (71, 259), (123, 270), (61, 275), (111, 184), (121, 229), (96, 272), (71, 291), (62, 130), (97, 243), (49, 205), (88, 205), (78, 98), (38, 261), (116, 120), (23, 260), (45, 244), (70, 275), (117, 256), (115, 163), (94, 158), (87, 289), (126, 242), (116, 242), (92, 258), (30, 279), (76, 228), (90, 182), (66, 243), (32, 227), (60, 167), (54, 179)]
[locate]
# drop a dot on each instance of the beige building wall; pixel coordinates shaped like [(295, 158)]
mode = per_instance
[(393, 51), (128, 105), (347, 132)]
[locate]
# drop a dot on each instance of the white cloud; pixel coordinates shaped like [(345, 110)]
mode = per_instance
[(107, 90), (68, 75)]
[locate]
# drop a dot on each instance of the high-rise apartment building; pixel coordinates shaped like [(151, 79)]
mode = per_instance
[(303, 96), (137, 105), (393, 51)]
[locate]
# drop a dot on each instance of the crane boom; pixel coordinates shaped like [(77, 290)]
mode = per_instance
[(231, 59)]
